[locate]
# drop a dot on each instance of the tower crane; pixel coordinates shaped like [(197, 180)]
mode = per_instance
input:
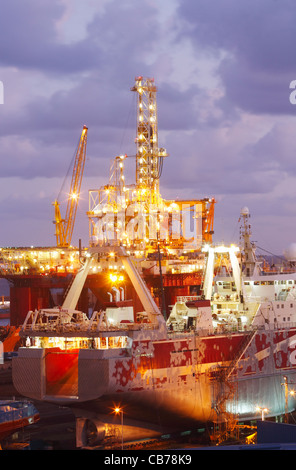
[(64, 227)]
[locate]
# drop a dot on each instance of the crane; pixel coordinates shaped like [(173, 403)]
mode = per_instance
[(64, 227)]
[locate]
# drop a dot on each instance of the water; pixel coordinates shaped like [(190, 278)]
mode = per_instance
[(4, 288), (4, 291)]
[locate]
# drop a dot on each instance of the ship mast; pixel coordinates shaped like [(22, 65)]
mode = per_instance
[(248, 248)]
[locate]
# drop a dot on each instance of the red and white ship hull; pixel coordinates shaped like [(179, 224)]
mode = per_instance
[(194, 368), (166, 381)]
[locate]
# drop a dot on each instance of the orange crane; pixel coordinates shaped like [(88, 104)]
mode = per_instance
[(64, 227)]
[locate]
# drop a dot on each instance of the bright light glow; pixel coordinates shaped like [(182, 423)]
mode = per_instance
[(222, 248), (258, 408), (206, 248), (262, 410), (113, 277)]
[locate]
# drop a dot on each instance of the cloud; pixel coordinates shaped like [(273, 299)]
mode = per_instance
[(58, 86), (274, 151), (259, 39), (222, 69), (30, 39)]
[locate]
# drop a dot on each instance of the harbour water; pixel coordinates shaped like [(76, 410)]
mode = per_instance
[(4, 292), (4, 287)]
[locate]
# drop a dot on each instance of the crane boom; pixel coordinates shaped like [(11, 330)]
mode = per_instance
[(64, 227)]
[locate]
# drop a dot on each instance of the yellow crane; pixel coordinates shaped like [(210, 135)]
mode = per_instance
[(64, 227)]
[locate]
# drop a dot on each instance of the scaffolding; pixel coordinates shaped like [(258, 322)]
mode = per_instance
[(225, 395)]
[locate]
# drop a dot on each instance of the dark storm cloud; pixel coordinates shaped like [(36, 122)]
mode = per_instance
[(274, 152), (223, 136), (260, 40), (261, 32), (217, 163), (255, 91), (120, 41), (29, 38), (176, 109), (102, 67), (100, 70), (116, 38)]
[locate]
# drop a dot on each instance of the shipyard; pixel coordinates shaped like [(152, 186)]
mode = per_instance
[(171, 327), (148, 283)]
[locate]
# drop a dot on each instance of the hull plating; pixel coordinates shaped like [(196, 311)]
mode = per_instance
[(176, 379)]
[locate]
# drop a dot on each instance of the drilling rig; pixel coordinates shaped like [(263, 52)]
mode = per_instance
[(136, 215)]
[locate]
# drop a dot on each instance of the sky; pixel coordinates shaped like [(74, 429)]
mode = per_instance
[(223, 69)]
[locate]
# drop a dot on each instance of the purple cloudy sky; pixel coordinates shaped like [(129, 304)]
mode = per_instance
[(223, 70)]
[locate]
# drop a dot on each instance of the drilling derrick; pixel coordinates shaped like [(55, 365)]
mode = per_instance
[(149, 158), (136, 215)]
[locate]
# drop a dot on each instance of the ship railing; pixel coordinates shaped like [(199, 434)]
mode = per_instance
[(230, 329), (227, 329), (35, 320), (254, 298), (100, 322), (42, 322), (279, 326), (122, 327), (30, 320)]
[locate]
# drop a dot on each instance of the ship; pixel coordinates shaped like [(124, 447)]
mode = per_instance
[(165, 355), (225, 354), (14, 416)]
